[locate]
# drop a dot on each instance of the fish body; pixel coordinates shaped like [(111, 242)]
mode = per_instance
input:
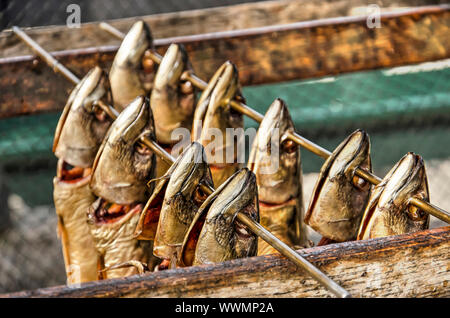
[(215, 235), (213, 116), (72, 199), (172, 100), (129, 75), (115, 241), (119, 178), (339, 196), (181, 189), (388, 211), (78, 135), (276, 162)]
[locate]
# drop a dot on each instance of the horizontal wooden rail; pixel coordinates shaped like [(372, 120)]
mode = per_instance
[(262, 55), (166, 25), (412, 265)]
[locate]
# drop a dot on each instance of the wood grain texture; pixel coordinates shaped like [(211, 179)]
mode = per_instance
[(262, 55), (242, 16), (413, 265)]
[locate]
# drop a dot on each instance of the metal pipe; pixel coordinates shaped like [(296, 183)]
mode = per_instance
[(50, 60)]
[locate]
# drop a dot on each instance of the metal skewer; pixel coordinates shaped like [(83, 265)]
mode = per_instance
[(255, 227), (305, 143)]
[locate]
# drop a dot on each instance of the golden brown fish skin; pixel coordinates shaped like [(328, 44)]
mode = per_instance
[(339, 196), (81, 127), (280, 189), (388, 212), (77, 138), (222, 237), (183, 197), (214, 112), (122, 167), (172, 105), (172, 100), (120, 173), (71, 203), (115, 242), (127, 75)]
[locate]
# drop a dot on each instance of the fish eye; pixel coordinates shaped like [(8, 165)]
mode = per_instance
[(360, 183), (142, 149), (186, 87), (289, 146), (415, 213), (100, 115), (199, 195), (147, 63)]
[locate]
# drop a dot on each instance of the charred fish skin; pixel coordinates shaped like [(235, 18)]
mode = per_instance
[(72, 199), (183, 197), (214, 112), (280, 189), (115, 243), (122, 166), (215, 232), (82, 126), (129, 74), (388, 212), (339, 196)]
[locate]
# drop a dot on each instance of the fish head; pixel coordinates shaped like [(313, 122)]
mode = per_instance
[(132, 71), (213, 108), (123, 164), (388, 211), (176, 198), (217, 125), (274, 159), (172, 98), (340, 196), (215, 234), (82, 126), (184, 195)]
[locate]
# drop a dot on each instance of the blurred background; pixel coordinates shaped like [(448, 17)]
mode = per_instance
[(403, 109)]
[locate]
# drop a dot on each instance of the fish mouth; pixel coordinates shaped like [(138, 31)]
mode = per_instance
[(111, 213), (149, 219), (266, 204), (67, 173)]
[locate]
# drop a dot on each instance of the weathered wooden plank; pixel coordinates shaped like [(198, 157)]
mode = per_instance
[(263, 55), (413, 265), (243, 16)]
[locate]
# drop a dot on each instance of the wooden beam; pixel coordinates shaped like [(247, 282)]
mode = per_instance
[(262, 55), (237, 17), (413, 265)]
